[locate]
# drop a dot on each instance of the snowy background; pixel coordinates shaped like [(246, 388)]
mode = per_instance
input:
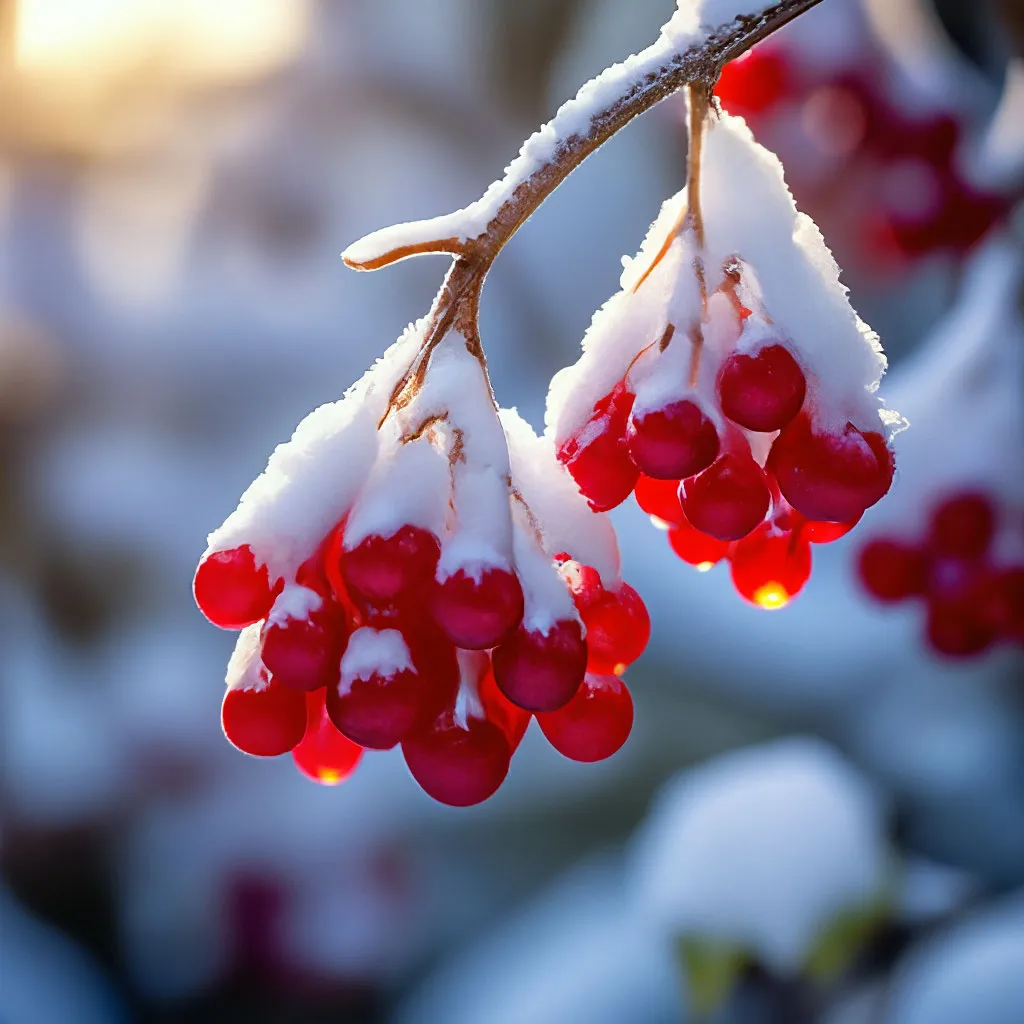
[(815, 818)]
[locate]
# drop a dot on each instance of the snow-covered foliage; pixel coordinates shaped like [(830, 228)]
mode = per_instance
[(760, 850)]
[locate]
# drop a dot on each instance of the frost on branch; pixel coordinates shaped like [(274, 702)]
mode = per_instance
[(952, 536), (415, 568), (729, 383)]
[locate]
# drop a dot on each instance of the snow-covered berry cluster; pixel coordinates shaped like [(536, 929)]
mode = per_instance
[(973, 598), (413, 567), (889, 178), (729, 383)]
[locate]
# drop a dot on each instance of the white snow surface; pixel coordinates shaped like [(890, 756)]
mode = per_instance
[(312, 480), (546, 597), (689, 28), (479, 533), (748, 213), (295, 602), (761, 848), (408, 485), (373, 652), (245, 670), (972, 972), (565, 519)]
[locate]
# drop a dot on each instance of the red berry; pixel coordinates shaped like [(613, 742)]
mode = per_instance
[(380, 696), (476, 614), (753, 83), (324, 755), (232, 591), (672, 442), (770, 567), (830, 477), (696, 548), (538, 671), (660, 500), (957, 628), (963, 525), (382, 569), (618, 627), (762, 391), (265, 722), (458, 764), (594, 724), (303, 652), (728, 499), (891, 571), (510, 718), (1001, 596), (825, 533), (597, 456)]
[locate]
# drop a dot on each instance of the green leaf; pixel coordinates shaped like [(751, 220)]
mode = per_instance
[(711, 970), (842, 939)]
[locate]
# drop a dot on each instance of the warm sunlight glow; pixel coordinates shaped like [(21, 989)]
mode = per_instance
[(200, 38), (620, 668), (659, 524), (771, 596), (704, 566), (329, 777)]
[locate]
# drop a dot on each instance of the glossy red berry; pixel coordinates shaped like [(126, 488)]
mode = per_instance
[(770, 567), (618, 627), (957, 629), (672, 442), (597, 456), (500, 711), (891, 571), (660, 500), (1001, 596), (963, 525), (232, 591), (594, 724), (541, 671), (456, 763), (831, 477), (380, 697), (265, 722), (304, 652), (696, 548), (324, 754), (478, 613), (825, 533), (755, 82), (382, 569), (763, 391), (728, 499)]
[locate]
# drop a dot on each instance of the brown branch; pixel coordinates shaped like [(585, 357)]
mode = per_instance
[(458, 300)]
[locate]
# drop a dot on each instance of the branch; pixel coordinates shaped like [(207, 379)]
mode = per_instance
[(686, 53)]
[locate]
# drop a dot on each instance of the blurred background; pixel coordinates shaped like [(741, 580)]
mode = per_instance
[(176, 182)]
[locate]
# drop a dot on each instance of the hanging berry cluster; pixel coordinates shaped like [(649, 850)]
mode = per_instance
[(973, 597), (728, 385), (416, 568), (429, 580)]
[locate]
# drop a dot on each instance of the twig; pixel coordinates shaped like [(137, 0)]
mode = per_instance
[(529, 181)]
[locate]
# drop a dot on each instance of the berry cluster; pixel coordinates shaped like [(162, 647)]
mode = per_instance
[(730, 427), (973, 598), (888, 178), (439, 610)]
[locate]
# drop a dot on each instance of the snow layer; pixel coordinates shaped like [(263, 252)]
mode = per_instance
[(295, 602), (761, 848), (311, 481), (696, 20), (748, 213), (245, 670), (546, 597), (973, 972), (565, 519), (408, 485), (373, 652)]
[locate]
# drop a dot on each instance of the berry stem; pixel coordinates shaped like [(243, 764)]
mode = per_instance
[(699, 97), (526, 185)]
